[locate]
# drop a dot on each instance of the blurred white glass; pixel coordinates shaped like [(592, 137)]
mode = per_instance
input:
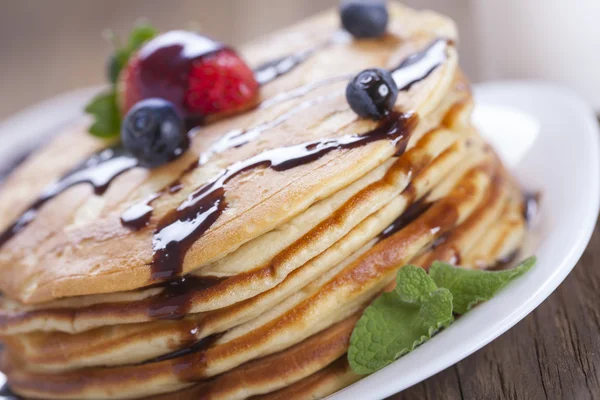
[(556, 40)]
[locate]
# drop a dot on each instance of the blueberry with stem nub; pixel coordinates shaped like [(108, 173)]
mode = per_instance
[(364, 18), (154, 132), (372, 93)]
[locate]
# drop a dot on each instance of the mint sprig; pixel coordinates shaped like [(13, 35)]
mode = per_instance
[(399, 321), (472, 286), (104, 107), (421, 304)]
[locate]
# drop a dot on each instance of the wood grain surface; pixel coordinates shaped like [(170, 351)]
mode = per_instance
[(48, 47)]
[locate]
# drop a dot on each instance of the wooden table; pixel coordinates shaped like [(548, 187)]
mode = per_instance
[(554, 353)]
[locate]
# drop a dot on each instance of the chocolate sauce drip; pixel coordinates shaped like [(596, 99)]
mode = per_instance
[(413, 212), (175, 187), (99, 170), (197, 347), (531, 205), (237, 138), (302, 90), (175, 300), (413, 69), (138, 215), (272, 70), (419, 66), (506, 261), (440, 240), (181, 228)]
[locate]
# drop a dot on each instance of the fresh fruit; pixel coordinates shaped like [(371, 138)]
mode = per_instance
[(154, 132), (198, 75), (221, 82), (364, 18), (372, 93)]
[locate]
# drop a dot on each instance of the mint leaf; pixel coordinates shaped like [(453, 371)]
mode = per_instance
[(413, 283), (399, 321), (107, 122), (396, 322), (469, 287)]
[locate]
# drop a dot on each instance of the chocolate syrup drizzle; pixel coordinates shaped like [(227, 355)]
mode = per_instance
[(178, 230), (414, 211), (138, 215), (197, 347), (181, 228), (506, 261), (237, 138), (175, 300), (419, 66), (99, 171), (271, 70)]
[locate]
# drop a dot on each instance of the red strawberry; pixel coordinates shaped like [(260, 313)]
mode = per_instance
[(199, 76), (220, 82)]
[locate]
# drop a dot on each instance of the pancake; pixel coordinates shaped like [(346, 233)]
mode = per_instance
[(86, 347), (305, 236), (240, 269), (332, 297), (84, 249)]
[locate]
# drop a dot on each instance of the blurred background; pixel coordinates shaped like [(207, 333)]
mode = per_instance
[(52, 46)]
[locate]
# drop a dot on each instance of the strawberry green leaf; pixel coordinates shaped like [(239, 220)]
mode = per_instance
[(140, 35), (103, 108), (469, 287)]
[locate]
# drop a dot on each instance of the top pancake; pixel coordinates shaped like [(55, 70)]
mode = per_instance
[(77, 245)]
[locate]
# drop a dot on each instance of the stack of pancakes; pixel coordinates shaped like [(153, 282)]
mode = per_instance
[(250, 285)]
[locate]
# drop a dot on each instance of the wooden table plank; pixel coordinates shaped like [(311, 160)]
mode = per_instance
[(554, 353)]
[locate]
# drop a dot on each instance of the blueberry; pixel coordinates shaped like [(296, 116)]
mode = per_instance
[(364, 18), (372, 93), (153, 132)]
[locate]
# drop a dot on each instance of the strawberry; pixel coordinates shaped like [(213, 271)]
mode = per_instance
[(220, 82), (199, 76)]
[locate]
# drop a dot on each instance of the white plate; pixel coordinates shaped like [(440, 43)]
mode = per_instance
[(545, 134)]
